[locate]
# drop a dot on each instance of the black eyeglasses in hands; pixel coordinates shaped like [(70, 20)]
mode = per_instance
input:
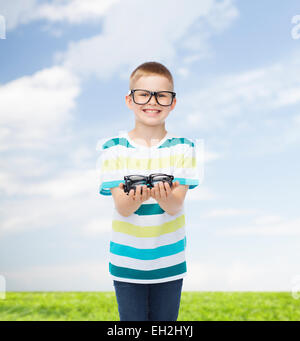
[(131, 181), (140, 96)]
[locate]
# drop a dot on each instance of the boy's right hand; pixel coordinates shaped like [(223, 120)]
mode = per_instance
[(137, 196)]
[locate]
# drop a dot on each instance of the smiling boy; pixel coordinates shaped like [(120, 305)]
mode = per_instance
[(147, 247)]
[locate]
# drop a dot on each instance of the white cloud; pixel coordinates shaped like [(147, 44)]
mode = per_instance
[(198, 21), (82, 276), (251, 92), (183, 71), (30, 165), (30, 175), (265, 226), (34, 108), (73, 11), (268, 219), (211, 156), (239, 276), (69, 200), (7, 183), (18, 12), (200, 193), (226, 11), (43, 213), (96, 227), (81, 156), (288, 134), (66, 185), (129, 36), (228, 212)]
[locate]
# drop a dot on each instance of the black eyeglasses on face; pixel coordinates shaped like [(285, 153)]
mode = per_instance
[(141, 96)]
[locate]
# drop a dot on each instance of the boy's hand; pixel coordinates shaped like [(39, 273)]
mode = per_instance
[(137, 197), (162, 190)]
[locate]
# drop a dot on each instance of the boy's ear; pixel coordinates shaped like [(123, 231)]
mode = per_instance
[(128, 101), (174, 103)]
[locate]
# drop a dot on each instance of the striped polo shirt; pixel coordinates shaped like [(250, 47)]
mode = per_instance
[(149, 245)]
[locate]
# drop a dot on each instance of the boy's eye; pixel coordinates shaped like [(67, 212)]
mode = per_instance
[(143, 94)]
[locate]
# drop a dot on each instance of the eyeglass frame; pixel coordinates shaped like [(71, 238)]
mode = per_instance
[(148, 179), (131, 92)]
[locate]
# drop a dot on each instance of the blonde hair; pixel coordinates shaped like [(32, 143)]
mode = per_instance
[(150, 68)]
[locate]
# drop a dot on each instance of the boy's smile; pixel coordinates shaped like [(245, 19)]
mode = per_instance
[(153, 112)]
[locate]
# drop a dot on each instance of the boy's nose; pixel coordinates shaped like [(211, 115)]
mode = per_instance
[(153, 100)]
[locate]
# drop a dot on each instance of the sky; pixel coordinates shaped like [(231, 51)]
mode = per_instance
[(64, 74)]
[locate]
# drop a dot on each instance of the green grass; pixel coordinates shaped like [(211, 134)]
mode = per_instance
[(194, 306)]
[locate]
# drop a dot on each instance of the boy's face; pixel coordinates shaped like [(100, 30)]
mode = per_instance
[(151, 83)]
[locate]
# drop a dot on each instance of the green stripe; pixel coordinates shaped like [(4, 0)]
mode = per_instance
[(173, 270), (122, 162), (148, 231)]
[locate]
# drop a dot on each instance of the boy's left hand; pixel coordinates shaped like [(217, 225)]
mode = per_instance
[(162, 190)]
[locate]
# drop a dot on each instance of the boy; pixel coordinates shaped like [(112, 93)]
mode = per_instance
[(147, 247)]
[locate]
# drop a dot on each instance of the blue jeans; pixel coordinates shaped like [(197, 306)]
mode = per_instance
[(148, 302)]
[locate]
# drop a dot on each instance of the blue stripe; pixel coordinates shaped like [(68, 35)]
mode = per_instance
[(105, 186), (191, 182), (170, 142), (176, 140), (169, 271), (105, 190), (147, 254), (149, 209)]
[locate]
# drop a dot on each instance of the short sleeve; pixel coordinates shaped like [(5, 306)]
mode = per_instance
[(186, 164), (107, 167)]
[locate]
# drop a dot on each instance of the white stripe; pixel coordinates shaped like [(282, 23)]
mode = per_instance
[(152, 264), (123, 151), (157, 152), (149, 242), (148, 281)]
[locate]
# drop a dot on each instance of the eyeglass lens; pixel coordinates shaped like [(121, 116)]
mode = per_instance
[(159, 178), (137, 178)]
